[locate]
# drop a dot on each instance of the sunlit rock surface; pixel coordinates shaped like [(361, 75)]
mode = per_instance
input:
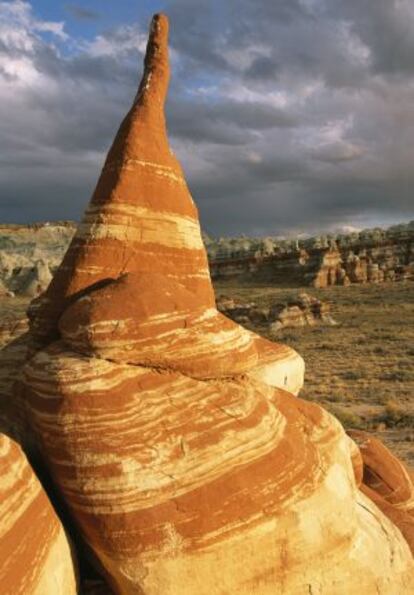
[(387, 482), (186, 469), (35, 556)]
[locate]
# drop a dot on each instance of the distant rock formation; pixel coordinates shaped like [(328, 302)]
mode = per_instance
[(373, 256), (35, 555), (29, 254), (299, 311), (35, 280), (394, 262), (186, 469), (368, 258)]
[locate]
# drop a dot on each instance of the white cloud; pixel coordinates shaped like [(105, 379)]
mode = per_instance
[(56, 29), (242, 58), (240, 92), (18, 25), (347, 229), (20, 33), (358, 52), (127, 38)]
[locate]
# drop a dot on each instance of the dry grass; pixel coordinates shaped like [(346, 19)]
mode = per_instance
[(363, 369)]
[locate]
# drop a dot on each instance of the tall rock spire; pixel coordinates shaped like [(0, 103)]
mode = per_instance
[(186, 470), (139, 244), (141, 217)]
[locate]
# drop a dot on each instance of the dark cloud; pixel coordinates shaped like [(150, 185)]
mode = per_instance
[(226, 122), (263, 68), (386, 27), (81, 13), (287, 115)]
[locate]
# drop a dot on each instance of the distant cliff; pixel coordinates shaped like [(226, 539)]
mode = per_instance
[(29, 255), (371, 256)]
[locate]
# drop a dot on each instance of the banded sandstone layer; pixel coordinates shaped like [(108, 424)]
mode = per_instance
[(185, 467), (35, 555)]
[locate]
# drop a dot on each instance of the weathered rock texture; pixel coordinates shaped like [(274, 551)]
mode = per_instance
[(35, 556), (325, 269), (29, 254), (365, 261), (301, 310), (389, 262), (13, 352), (187, 471), (387, 482)]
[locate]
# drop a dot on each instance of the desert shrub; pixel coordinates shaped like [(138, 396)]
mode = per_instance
[(336, 398), (387, 337), (397, 376), (379, 350), (392, 406), (324, 347), (396, 415), (347, 418), (352, 375), (288, 337)]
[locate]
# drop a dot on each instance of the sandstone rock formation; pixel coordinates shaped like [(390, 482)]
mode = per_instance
[(328, 270), (13, 351), (29, 254), (305, 310), (12, 327), (35, 555), (387, 482), (35, 280), (369, 258), (372, 257), (299, 311), (187, 471)]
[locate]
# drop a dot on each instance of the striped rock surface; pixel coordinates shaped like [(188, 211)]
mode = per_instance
[(186, 486), (387, 482), (13, 351), (140, 244), (186, 469), (141, 217), (35, 556), (159, 326)]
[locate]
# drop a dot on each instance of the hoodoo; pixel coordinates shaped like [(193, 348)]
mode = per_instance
[(186, 465)]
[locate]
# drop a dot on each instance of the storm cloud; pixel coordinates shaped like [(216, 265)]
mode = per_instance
[(288, 116)]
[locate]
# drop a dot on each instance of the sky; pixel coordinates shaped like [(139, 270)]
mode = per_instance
[(288, 116)]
